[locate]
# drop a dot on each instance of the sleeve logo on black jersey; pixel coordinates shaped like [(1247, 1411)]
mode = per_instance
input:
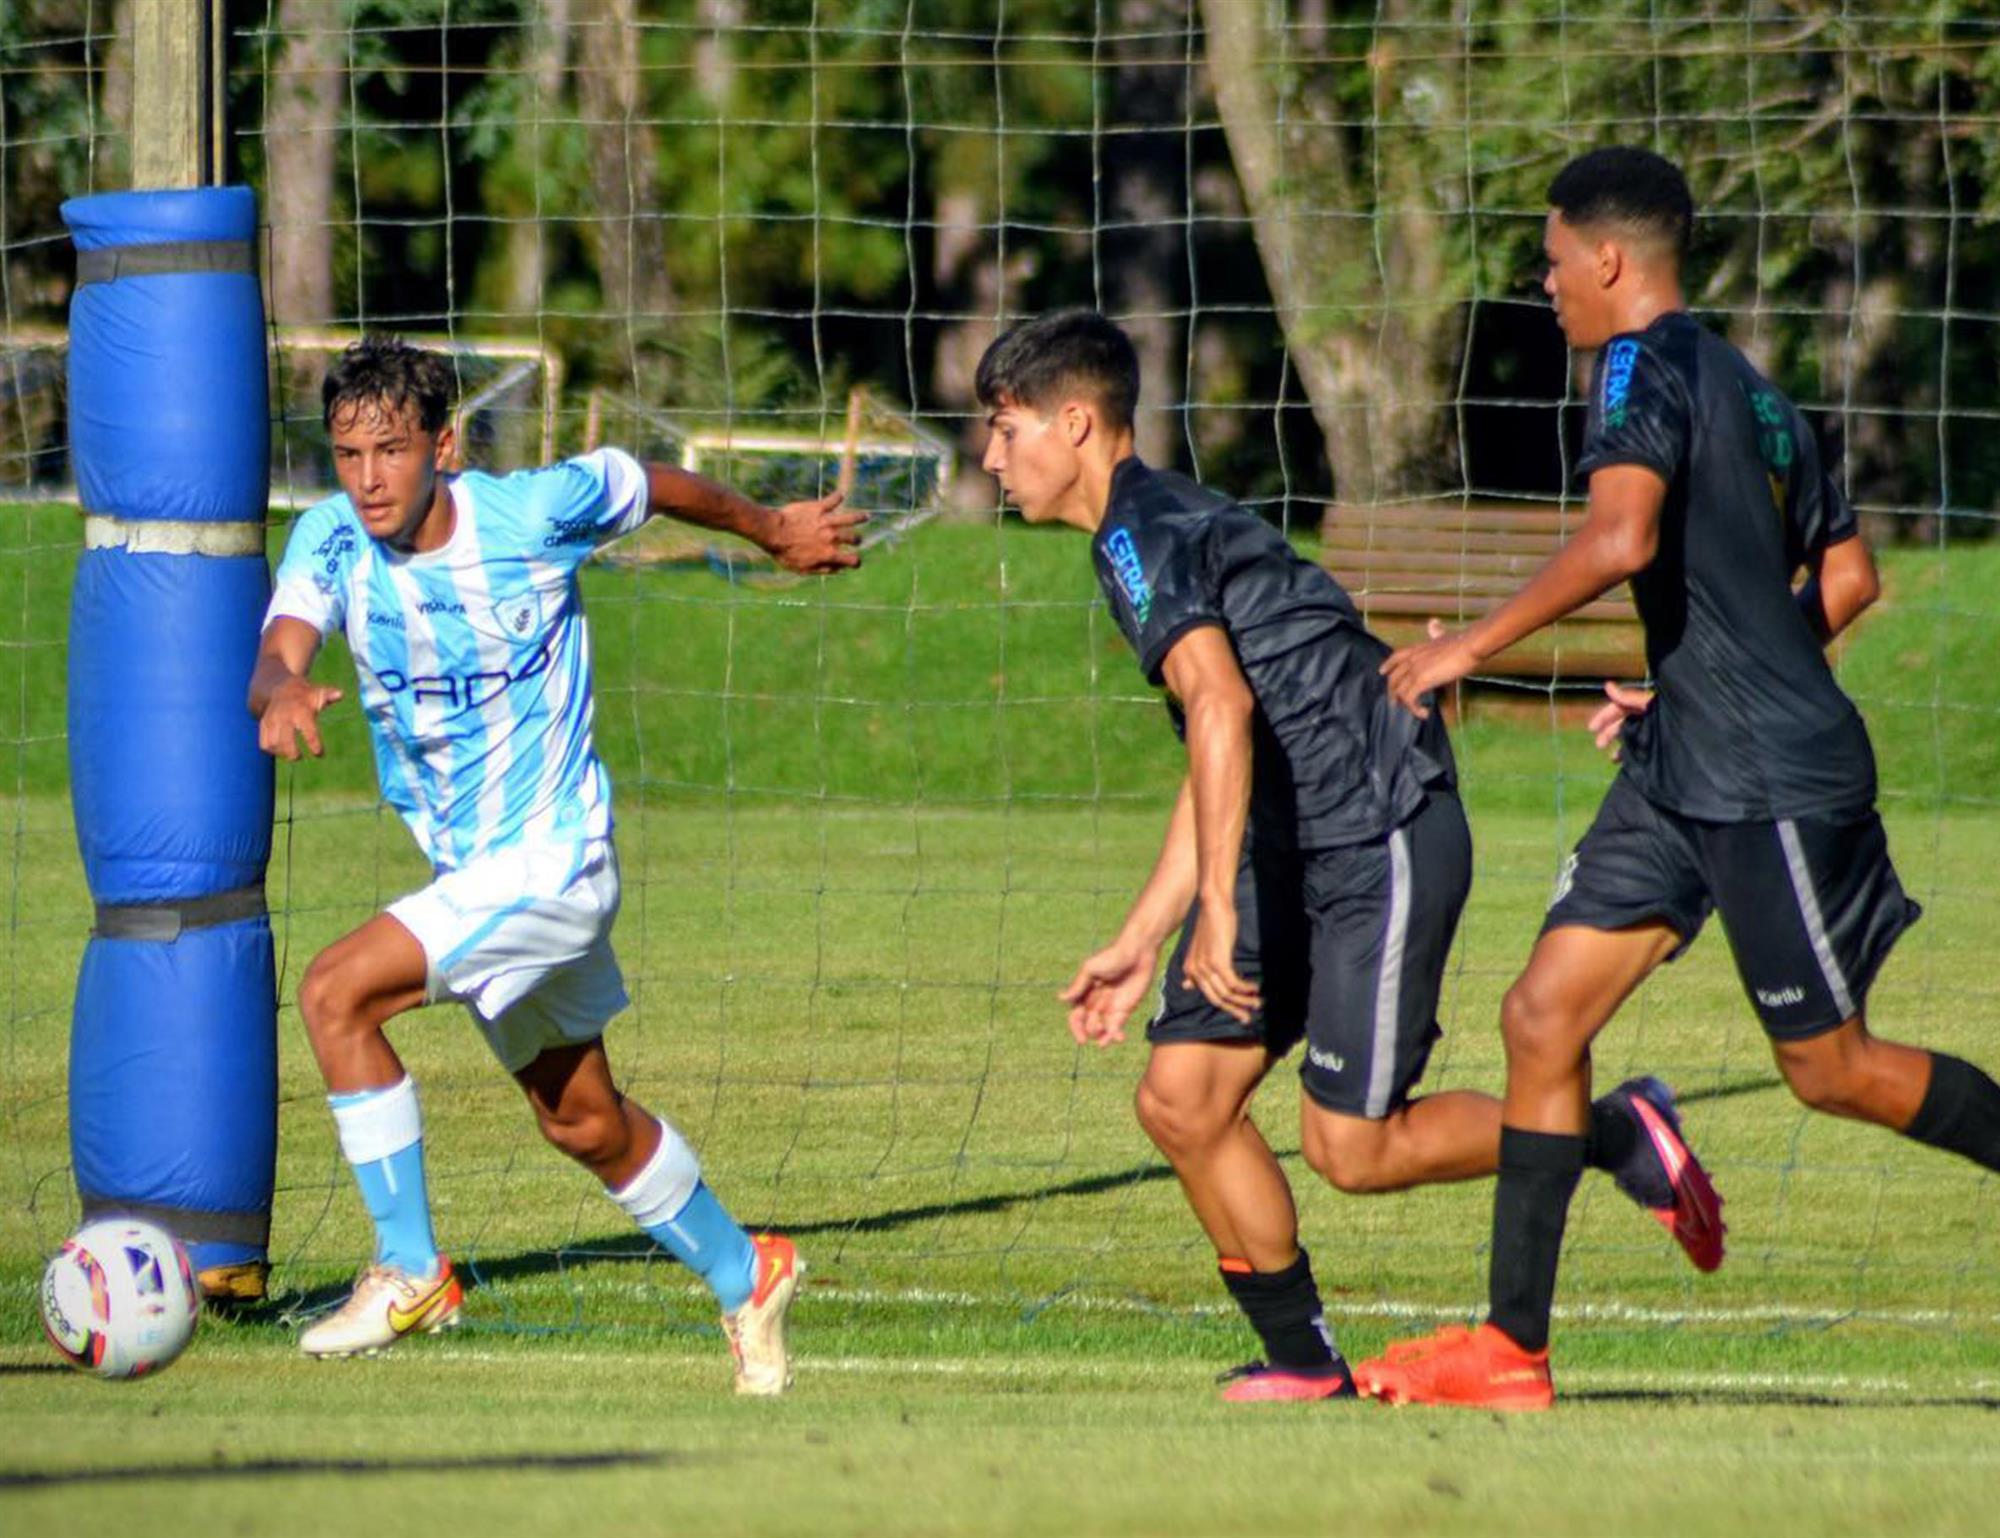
[(1131, 574), (1620, 363)]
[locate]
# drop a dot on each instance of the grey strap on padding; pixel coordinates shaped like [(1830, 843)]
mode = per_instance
[(163, 258), (190, 1225), (168, 920)]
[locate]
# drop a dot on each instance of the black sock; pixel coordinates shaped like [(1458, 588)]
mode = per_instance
[(1960, 1113), (1283, 1308), (1613, 1138), (1538, 1175)]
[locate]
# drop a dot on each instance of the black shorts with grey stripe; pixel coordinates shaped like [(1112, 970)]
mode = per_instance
[(1348, 948), (1811, 905)]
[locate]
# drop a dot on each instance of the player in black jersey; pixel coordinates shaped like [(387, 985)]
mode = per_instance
[(1315, 862), (1746, 782)]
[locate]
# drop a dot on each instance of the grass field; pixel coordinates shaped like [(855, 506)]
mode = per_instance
[(867, 829)]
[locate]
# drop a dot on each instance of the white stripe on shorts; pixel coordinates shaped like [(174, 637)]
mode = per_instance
[(1389, 983), (1802, 887)]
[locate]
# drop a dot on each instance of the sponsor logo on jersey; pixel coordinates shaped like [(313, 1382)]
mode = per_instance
[(461, 691), (385, 620), (1131, 575), (440, 606), (1620, 363), (1780, 998), (570, 531)]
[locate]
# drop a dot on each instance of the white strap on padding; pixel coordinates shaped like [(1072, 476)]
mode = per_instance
[(169, 536)]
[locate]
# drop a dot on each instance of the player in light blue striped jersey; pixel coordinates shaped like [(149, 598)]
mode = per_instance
[(457, 594)]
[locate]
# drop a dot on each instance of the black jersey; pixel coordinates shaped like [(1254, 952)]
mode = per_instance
[(1335, 761), (1748, 724)]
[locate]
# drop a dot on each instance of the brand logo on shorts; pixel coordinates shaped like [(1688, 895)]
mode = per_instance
[(1565, 880), (1332, 1062), (1779, 998)]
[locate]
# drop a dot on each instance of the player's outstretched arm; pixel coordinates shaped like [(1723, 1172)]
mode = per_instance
[(813, 536), (284, 700), (1620, 533), (1841, 581), (1203, 672), (1109, 984)]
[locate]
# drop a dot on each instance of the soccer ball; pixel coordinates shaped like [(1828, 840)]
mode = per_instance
[(119, 1299)]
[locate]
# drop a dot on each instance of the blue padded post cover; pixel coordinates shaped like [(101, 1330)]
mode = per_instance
[(173, 1064)]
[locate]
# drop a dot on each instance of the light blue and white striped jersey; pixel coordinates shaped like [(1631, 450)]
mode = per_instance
[(473, 658)]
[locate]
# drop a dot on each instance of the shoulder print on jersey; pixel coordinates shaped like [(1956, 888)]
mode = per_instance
[(1620, 362), (329, 555), (1774, 440), (1131, 573)]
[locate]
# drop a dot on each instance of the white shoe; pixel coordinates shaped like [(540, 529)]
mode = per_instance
[(756, 1331), (387, 1304)]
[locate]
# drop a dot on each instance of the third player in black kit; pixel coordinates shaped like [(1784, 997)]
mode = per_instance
[(1315, 862), (1747, 784)]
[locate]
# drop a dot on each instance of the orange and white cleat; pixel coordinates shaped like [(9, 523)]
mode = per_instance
[(386, 1305), (1479, 1369), (756, 1331)]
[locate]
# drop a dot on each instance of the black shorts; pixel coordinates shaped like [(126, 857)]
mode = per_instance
[(1811, 905), (1348, 947)]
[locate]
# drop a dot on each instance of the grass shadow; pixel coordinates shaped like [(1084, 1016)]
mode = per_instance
[(281, 1468)]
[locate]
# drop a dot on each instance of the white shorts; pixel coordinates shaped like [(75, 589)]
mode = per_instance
[(522, 938)]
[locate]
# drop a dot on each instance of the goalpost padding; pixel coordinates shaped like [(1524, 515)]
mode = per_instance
[(173, 1063)]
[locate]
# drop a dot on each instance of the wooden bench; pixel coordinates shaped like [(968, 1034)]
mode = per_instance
[(1404, 565)]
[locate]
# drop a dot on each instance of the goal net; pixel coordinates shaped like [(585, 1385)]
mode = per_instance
[(870, 824)]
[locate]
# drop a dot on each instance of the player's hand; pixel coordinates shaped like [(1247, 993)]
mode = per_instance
[(1106, 989), (1610, 719), (1211, 963), (815, 537), (1415, 671), (292, 715)]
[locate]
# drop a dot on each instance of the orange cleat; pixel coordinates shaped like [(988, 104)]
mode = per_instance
[(1480, 1369)]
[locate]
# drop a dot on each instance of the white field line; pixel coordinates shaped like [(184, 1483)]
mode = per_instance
[(1344, 1308), (1016, 1366)]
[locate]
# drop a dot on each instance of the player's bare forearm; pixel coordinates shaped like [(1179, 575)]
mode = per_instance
[(1619, 537), (1163, 901), (1218, 741), (809, 536), (707, 504), (1842, 583), (285, 655), (1612, 546)]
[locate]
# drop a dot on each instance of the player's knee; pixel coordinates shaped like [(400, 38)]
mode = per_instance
[(328, 1000), (1825, 1083), (1348, 1157), (1178, 1122), (594, 1137), (1536, 1029)]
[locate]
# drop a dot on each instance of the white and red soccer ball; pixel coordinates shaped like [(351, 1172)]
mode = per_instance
[(119, 1299)]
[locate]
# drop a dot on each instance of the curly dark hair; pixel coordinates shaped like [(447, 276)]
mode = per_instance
[(387, 372), (1627, 186), (1062, 353)]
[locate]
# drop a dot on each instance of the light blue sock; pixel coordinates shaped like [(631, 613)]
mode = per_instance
[(382, 1135), (669, 1200)]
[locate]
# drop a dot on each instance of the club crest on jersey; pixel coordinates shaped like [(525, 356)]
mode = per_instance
[(519, 616), (1620, 363), (1131, 575)]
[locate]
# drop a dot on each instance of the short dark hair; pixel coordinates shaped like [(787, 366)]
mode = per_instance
[(1632, 187), (1066, 352), (388, 372)]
